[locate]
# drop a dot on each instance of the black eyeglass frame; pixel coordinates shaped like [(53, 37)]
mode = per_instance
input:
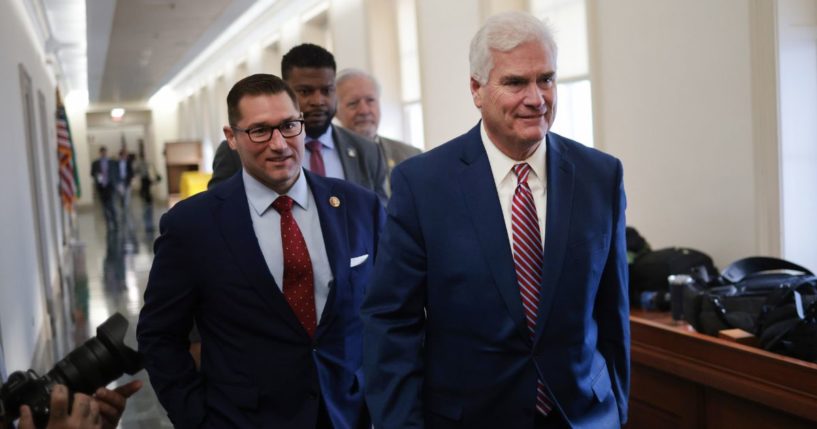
[(272, 130)]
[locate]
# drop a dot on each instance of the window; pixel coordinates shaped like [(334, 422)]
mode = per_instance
[(574, 114), (410, 73)]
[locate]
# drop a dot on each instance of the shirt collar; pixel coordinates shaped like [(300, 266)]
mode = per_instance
[(261, 197), (502, 165)]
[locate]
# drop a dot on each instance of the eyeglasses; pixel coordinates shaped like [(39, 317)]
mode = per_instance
[(264, 133)]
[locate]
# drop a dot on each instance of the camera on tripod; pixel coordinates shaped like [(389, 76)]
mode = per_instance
[(94, 364)]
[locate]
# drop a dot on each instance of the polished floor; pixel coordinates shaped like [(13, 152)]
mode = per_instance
[(116, 263)]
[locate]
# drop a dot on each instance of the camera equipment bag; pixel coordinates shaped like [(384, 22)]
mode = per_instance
[(737, 297), (649, 273), (787, 323)]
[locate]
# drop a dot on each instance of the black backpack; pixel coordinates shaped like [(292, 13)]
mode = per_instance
[(649, 288)]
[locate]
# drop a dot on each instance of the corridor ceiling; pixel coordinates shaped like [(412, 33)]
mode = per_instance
[(136, 46)]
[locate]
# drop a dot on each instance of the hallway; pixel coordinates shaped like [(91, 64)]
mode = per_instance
[(117, 264)]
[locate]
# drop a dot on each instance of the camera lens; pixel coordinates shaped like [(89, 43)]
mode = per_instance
[(99, 361)]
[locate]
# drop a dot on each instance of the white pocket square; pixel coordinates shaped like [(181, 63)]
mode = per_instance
[(357, 260)]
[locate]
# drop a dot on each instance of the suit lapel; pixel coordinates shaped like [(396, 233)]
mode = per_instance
[(348, 155), (233, 217), (560, 179), (479, 191), (333, 226)]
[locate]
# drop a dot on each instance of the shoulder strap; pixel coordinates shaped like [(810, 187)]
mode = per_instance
[(742, 268)]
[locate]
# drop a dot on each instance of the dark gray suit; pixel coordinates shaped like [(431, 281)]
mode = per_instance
[(225, 163), (394, 152), (362, 162)]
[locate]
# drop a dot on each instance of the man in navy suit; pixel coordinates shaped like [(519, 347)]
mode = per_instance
[(471, 321), (272, 265)]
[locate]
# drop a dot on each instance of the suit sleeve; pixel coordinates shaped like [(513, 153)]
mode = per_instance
[(164, 324), (378, 171), (394, 317), (612, 305)]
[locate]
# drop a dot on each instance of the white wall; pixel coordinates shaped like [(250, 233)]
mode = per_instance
[(349, 27), (797, 26), (443, 42), (675, 100), (21, 296)]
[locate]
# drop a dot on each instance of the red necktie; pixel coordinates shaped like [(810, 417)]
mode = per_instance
[(528, 257), (299, 289), (316, 164)]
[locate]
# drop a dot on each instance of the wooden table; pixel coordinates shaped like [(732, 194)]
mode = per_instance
[(683, 379)]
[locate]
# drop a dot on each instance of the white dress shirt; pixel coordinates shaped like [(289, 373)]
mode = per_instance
[(266, 222), (505, 180)]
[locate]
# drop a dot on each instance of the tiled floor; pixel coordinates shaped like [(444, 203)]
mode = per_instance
[(117, 263)]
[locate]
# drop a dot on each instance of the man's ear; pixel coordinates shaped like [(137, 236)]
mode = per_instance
[(475, 93), (228, 133)]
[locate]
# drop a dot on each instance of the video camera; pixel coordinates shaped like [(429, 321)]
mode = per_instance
[(94, 364)]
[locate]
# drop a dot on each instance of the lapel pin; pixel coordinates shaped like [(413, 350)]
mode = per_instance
[(334, 201), (351, 152)]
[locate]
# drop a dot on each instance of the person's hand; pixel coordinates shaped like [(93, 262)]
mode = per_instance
[(84, 412), (112, 402)]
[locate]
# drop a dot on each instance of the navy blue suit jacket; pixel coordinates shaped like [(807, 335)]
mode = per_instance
[(445, 342), (259, 367)]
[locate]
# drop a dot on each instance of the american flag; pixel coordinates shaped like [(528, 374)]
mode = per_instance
[(69, 185)]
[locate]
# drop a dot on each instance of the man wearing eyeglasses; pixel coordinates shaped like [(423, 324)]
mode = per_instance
[(272, 265), (330, 151)]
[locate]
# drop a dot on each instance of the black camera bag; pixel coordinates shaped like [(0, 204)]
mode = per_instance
[(787, 323), (737, 297), (649, 273)]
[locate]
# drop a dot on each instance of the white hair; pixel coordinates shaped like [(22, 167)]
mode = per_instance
[(504, 32), (350, 73)]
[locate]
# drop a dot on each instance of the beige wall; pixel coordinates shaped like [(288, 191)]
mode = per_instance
[(677, 99)]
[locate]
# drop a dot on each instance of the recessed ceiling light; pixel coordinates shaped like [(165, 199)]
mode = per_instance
[(117, 113)]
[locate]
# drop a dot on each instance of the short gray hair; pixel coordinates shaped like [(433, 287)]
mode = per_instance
[(350, 73), (503, 32)]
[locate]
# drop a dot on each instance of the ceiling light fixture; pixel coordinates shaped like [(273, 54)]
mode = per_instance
[(117, 113)]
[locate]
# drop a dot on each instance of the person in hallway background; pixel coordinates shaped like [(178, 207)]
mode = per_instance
[(103, 172), (470, 320), (359, 111), (124, 176), (147, 177), (272, 264)]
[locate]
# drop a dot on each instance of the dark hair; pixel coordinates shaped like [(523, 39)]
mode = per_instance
[(307, 55), (257, 84)]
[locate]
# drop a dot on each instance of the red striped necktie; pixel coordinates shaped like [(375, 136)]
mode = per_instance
[(528, 258)]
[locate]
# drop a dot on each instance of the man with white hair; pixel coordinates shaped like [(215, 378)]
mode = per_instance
[(470, 320), (359, 111)]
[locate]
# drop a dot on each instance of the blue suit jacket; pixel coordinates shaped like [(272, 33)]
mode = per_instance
[(259, 367), (445, 343)]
